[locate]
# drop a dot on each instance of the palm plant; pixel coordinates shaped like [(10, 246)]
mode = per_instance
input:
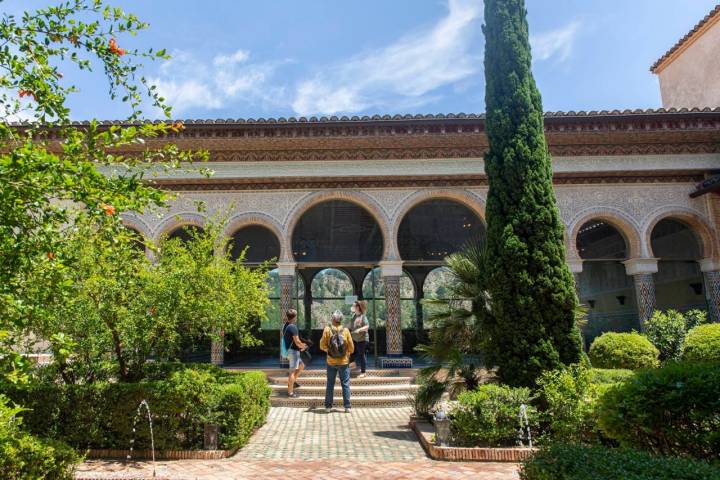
[(456, 339)]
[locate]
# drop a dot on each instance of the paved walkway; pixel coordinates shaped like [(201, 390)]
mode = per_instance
[(297, 443)]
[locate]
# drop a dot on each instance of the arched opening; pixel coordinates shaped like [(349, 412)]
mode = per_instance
[(679, 281), (604, 287), (436, 228), (329, 288), (185, 233), (337, 231), (373, 291), (259, 243)]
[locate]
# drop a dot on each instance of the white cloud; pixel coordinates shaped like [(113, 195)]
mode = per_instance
[(187, 83), (405, 72), (555, 43)]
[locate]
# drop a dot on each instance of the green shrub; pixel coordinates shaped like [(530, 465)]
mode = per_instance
[(674, 410), (623, 350), (488, 416), (601, 376), (575, 462), (25, 457), (703, 344), (567, 398), (667, 330), (101, 415)]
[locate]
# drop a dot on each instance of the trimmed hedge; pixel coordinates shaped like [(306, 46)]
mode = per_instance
[(702, 344), (488, 416), (575, 462), (623, 350), (101, 415), (602, 376), (25, 457), (674, 410)]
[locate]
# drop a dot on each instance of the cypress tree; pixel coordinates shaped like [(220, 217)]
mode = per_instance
[(532, 326)]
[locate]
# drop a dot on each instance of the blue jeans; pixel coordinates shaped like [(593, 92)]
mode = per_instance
[(344, 374)]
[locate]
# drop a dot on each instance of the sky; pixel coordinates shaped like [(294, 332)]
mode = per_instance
[(283, 58)]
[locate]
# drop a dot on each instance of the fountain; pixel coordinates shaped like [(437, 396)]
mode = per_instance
[(524, 428), (152, 438)]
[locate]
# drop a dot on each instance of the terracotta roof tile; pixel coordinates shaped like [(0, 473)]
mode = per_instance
[(715, 11)]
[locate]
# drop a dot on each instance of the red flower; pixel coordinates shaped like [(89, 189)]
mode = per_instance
[(115, 49), (26, 93), (153, 310), (50, 255), (108, 209), (178, 126)]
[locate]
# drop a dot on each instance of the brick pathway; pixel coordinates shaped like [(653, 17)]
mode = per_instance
[(297, 443)]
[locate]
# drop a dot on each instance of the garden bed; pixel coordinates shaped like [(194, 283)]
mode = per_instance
[(425, 431)]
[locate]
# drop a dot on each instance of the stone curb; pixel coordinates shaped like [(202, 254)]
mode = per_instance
[(117, 454), (424, 432)]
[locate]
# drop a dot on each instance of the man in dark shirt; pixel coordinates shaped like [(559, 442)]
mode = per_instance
[(293, 344)]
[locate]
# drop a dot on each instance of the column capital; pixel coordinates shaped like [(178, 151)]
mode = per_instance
[(575, 265), (286, 269), (639, 266), (709, 264), (391, 268)]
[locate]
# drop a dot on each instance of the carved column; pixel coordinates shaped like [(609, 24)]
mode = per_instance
[(576, 268), (711, 274), (391, 273), (286, 271), (642, 270), (217, 350)]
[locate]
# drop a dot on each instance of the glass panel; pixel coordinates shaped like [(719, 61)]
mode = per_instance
[(608, 293), (673, 240), (598, 240), (261, 244), (185, 233), (322, 310), (332, 283), (407, 289), (436, 283), (436, 228), (337, 231)]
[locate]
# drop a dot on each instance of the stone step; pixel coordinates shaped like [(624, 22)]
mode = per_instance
[(318, 380), (280, 372), (357, 401), (359, 390)]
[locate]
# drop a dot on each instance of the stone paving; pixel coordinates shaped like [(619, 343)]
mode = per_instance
[(298, 443)]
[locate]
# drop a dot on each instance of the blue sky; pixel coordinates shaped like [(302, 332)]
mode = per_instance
[(274, 58)]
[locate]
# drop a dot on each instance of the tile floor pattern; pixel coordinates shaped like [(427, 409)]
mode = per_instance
[(298, 443)]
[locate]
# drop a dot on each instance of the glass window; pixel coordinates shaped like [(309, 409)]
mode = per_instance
[(273, 319), (679, 281), (260, 242), (436, 286), (374, 293), (604, 287), (329, 288), (337, 231), (436, 228)]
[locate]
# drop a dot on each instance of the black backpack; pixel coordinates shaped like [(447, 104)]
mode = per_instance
[(337, 345)]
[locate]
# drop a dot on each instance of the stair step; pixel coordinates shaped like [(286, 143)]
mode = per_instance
[(360, 390), (304, 380), (280, 372), (318, 401)]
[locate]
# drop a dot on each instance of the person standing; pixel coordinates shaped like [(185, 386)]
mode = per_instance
[(360, 332), (293, 344), (337, 342)]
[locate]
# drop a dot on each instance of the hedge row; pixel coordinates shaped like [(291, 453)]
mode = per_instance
[(102, 415), (575, 462)]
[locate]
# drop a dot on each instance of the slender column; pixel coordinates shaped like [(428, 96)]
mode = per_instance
[(217, 350), (391, 272), (576, 268), (419, 316), (286, 271), (642, 270), (711, 274)]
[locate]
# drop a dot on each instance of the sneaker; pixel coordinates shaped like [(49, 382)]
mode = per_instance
[(347, 409), (328, 409), (296, 385), (362, 375), (293, 395)]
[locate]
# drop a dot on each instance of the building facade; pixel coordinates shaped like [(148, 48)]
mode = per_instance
[(369, 207)]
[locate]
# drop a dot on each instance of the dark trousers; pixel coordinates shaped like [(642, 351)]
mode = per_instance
[(360, 357), (342, 371)]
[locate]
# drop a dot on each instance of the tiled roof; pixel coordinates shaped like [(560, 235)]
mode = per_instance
[(715, 12), (402, 118)]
